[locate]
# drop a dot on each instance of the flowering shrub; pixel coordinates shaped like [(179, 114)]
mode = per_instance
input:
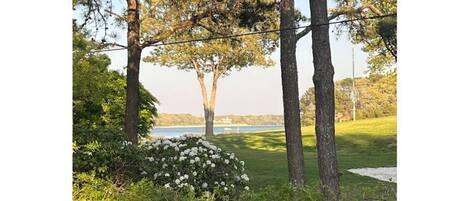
[(191, 162)]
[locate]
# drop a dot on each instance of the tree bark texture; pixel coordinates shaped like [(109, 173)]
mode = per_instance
[(325, 103), (291, 106), (134, 52)]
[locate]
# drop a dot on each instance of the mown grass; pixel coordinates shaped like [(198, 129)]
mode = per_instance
[(363, 143)]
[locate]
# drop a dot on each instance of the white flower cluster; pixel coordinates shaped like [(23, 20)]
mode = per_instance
[(191, 162)]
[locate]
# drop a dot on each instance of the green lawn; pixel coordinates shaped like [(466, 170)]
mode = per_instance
[(363, 143)]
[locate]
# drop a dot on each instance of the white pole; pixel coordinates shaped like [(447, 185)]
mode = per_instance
[(353, 85)]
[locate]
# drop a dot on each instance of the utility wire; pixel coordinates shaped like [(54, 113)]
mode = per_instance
[(257, 32)]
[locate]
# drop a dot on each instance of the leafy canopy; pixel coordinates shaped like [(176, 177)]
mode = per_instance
[(223, 54), (378, 36), (161, 20), (228, 53), (99, 93)]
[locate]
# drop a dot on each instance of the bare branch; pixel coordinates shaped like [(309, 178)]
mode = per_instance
[(103, 18), (303, 33), (114, 44), (117, 15), (340, 13), (333, 16)]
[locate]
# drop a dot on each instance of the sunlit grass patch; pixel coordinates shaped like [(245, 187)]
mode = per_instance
[(363, 143)]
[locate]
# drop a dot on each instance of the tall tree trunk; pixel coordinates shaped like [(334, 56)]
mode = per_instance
[(134, 52), (213, 95), (208, 115), (324, 97), (203, 89), (291, 106)]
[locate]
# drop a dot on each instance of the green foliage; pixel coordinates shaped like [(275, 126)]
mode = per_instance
[(106, 153), (387, 30), (376, 98), (307, 107), (378, 36), (284, 192), (221, 55), (88, 187), (99, 93), (313, 193), (98, 114), (224, 55)]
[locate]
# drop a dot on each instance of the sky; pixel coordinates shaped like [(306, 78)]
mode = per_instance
[(253, 90)]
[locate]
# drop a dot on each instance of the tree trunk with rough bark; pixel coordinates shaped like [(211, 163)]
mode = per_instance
[(134, 52), (325, 103), (291, 106)]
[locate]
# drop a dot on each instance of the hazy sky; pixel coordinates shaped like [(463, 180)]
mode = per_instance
[(253, 90)]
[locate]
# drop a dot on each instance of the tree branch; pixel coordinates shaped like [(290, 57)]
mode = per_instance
[(303, 33), (166, 33), (216, 32), (337, 14), (200, 73), (209, 29), (387, 45), (117, 15), (354, 11), (306, 30), (114, 44)]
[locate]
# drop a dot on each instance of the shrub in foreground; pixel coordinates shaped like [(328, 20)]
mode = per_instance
[(88, 187), (191, 163), (106, 153)]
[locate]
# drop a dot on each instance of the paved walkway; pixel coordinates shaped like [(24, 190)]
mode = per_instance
[(388, 174)]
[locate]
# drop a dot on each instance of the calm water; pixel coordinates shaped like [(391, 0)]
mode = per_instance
[(178, 131)]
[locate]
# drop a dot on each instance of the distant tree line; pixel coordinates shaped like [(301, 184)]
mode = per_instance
[(376, 98), (164, 119)]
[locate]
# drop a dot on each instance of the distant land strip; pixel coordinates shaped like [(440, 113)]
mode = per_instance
[(189, 120)]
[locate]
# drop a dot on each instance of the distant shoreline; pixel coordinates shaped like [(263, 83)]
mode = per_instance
[(216, 125)]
